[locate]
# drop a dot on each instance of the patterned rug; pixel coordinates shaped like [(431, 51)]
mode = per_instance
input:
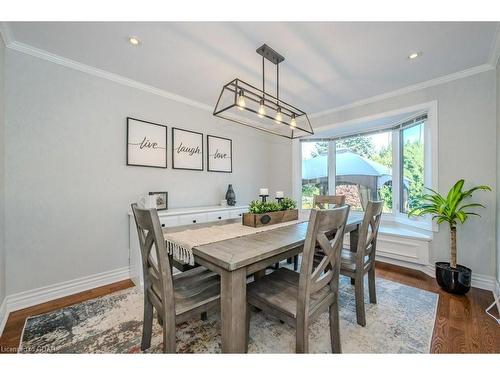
[(401, 322)]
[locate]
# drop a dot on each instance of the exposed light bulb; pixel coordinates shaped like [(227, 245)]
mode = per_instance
[(278, 117), (262, 109), (241, 100), (293, 122)]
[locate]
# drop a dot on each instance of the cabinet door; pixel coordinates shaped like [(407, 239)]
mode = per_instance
[(169, 221), (237, 213), (217, 215), (192, 219)]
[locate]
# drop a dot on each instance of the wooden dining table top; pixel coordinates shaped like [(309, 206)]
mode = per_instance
[(239, 252)]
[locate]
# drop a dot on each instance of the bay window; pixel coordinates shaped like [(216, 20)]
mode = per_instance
[(384, 164)]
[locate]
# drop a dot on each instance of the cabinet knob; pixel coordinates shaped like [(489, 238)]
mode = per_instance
[(220, 217), (163, 225), (194, 221), (239, 214)]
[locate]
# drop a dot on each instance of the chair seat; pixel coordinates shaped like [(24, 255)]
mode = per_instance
[(348, 261), (279, 290), (192, 289)]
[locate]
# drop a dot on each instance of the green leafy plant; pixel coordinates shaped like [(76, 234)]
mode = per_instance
[(288, 204), (259, 207), (450, 209)]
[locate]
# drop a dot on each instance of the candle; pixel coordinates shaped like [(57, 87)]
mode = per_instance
[(279, 194), (264, 191)]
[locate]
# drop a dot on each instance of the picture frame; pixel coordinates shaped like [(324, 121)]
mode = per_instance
[(147, 143), (219, 154), (161, 199), (187, 150)]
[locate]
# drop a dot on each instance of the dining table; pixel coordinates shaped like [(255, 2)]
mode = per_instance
[(236, 259)]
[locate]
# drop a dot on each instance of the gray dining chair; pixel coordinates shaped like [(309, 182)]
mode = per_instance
[(175, 298), (298, 298), (321, 202), (361, 262), (325, 201)]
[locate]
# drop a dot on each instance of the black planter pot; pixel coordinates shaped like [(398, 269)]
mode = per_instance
[(453, 280)]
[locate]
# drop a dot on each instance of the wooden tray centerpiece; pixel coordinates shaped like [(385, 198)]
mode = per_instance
[(268, 213)]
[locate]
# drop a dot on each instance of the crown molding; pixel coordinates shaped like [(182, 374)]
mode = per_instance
[(42, 54), (6, 33), (408, 89), (495, 48)]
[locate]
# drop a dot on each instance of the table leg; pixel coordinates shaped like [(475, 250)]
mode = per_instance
[(234, 311), (353, 239), (353, 243)]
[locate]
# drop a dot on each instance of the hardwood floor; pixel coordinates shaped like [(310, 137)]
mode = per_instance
[(461, 324), (9, 341)]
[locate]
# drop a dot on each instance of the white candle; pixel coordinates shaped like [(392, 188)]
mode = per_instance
[(279, 194), (264, 191)]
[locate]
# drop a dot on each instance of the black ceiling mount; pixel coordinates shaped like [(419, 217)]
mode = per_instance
[(270, 54)]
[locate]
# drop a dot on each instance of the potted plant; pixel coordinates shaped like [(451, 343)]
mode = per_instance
[(267, 213), (452, 277)]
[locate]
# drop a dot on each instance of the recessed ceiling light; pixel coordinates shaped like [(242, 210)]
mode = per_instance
[(135, 41), (414, 55)]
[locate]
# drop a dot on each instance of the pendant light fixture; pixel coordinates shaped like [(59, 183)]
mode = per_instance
[(247, 105)]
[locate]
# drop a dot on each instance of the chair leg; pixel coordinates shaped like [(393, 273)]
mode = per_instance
[(302, 338), (371, 285), (204, 316), (248, 327), (276, 266), (335, 327), (289, 260), (360, 300), (147, 326), (295, 262), (352, 281), (168, 337)]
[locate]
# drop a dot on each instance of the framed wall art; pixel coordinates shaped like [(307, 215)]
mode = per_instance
[(146, 143), (161, 198), (219, 154), (187, 149)]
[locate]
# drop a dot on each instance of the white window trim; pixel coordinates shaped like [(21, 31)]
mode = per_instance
[(430, 160)]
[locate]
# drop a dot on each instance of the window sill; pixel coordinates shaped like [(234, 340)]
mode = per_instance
[(391, 227)]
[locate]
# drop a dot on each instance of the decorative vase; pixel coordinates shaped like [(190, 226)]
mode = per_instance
[(230, 196)]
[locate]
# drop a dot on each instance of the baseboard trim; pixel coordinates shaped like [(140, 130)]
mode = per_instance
[(478, 280), (496, 294), (48, 293), (3, 315)]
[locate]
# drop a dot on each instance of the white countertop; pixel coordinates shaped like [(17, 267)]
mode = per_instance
[(196, 210)]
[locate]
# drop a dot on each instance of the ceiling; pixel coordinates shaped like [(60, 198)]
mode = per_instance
[(327, 64)]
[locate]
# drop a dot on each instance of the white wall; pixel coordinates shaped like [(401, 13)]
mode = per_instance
[(2, 175), (68, 189), (467, 149)]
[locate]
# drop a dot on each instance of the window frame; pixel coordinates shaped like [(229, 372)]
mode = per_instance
[(430, 163)]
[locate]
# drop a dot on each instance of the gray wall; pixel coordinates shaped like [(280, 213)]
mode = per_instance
[(2, 173), (498, 167), (467, 149), (68, 189)]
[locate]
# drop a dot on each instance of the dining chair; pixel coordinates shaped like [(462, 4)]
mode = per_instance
[(298, 298), (175, 298), (324, 201), (361, 262)]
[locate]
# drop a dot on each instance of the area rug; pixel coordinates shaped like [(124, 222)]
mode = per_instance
[(401, 322)]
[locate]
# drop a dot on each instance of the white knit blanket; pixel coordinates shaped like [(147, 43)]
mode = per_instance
[(180, 244)]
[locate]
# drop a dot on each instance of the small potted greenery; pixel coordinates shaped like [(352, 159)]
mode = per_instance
[(452, 277), (267, 213)]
